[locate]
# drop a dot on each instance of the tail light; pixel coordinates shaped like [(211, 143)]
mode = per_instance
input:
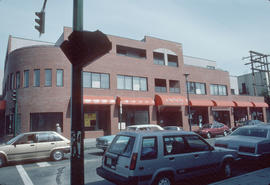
[(133, 161)]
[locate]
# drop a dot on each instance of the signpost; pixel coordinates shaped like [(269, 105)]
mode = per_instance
[(81, 49)]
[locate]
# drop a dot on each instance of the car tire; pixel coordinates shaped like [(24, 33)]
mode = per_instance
[(208, 135), (226, 170), (163, 179), (57, 155), (2, 161)]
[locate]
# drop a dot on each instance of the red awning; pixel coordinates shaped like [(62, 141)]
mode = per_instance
[(203, 103), (99, 100), (223, 103), (135, 101), (243, 104), (168, 100), (2, 105), (259, 104)]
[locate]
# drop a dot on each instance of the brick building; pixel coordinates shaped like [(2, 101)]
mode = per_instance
[(143, 78)]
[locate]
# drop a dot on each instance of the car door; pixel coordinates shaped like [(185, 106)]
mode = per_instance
[(23, 148), (214, 129), (204, 159), (45, 145), (177, 156)]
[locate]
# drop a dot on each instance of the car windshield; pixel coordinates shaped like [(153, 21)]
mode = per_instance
[(122, 145), (207, 126), (13, 139), (253, 132)]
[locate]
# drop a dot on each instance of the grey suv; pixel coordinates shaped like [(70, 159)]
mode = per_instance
[(162, 157)]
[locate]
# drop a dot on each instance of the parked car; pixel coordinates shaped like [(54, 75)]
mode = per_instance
[(104, 141), (172, 128), (212, 129), (246, 123), (162, 157), (250, 141), (34, 145)]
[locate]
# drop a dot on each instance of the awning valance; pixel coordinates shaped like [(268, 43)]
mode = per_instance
[(259, 104), (168, 100), (243, 104), (135, 101), (202, 103), (223, 103), (99, 100)]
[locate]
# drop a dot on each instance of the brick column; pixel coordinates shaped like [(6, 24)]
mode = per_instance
[(185, 118), (264, 115), (152, 114), (232, 117), (113, 125)]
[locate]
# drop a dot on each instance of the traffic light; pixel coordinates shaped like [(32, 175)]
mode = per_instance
[(41, 22), (14, 94)]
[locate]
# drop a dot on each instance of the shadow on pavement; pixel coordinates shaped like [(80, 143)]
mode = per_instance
[(103, 182)]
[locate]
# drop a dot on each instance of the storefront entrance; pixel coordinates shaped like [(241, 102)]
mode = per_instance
[(170, 116), (240, 114), (256, 113), (199, 116), (135, 115), (222, 117)]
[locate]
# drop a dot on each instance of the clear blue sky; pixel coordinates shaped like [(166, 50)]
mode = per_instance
[(220, 30)]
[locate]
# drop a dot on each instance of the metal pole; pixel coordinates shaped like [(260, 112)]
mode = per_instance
[(15, 118), (77, 132), (189, 117)]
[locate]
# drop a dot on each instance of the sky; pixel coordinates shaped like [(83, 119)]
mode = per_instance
[(220, 30)]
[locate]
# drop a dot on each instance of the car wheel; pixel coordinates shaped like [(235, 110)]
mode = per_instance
[(208, 135), (225, 133), (57, 155), (2, 161), (226, 170), (163, 180)]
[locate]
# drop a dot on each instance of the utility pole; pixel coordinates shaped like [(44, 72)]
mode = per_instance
[(189, 115)]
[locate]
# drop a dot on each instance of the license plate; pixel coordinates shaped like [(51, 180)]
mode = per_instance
[(109, 161)]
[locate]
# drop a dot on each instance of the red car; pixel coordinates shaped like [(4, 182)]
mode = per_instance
[(212, 129)]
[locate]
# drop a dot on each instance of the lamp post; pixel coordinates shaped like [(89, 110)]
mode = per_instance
[(189, 116)]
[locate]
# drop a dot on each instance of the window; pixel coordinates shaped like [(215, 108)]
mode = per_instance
[(36, 78), (47, 137), (172, 60), (196, 144), (18, 80), (26, 78), (48, 77), (216, 89), (174, 145), (96, 80), (196, 88), (131, 52), (174, 86), (11, 81), (160, 85), (45, 121), (59, 77), (158, 58), (122, 145), (149, 148), (131, 83)]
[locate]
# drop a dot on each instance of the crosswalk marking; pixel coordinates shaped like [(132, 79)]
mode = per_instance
[(24, 176), (43, 164)]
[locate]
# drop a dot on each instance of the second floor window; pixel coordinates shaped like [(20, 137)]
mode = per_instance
[(96, 80), (26, 78), (18, 79), (196, 88), (48, 77), (160, 85), (131, 83), (216, 89), (36, 78), (59, 77), (174, 86)]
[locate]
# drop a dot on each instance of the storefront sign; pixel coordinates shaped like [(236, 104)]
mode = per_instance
[(90, 119)]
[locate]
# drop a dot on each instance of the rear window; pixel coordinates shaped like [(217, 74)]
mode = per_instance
[(253, 132), (122, 145)]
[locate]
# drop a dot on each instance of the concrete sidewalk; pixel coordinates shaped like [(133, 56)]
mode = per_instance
[(259, 177)]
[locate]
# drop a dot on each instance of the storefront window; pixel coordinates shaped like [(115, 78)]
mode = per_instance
[(135, 116), (45, 121)]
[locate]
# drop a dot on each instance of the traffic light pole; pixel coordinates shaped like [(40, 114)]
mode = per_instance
[(77, 131)]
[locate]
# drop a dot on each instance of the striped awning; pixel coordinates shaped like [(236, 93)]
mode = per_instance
[(201, 103), (223, 103), (168, 100), (135, 101), (99, 100), (243, 104)]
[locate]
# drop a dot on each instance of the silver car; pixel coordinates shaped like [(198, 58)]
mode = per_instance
[(34, 145), (162, 157), (250, 141)]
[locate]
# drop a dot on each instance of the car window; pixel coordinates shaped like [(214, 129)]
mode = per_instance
[(174, 145), (26, 139), (149, 148), (122, 145), (253, 132), (196, 144), (48, 137)]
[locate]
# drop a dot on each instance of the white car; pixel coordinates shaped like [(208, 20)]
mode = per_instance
[(104, 141)]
